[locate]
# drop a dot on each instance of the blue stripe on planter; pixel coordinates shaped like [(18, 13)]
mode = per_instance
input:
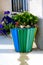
[(15, 38)]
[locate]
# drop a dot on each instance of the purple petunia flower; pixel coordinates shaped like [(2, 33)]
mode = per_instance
[(3, 32), (1, 26), (7, 12)]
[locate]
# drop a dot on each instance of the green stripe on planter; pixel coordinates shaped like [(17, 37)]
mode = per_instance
[(30, 38), (20, 36), (25, 39)]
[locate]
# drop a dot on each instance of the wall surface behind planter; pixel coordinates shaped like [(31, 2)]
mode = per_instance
[(36, 7), (5, 5)]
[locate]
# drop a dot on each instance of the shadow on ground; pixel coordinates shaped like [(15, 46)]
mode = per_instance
[(23, 58)]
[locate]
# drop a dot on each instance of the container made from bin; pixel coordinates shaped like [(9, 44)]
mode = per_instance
[(23, 38)]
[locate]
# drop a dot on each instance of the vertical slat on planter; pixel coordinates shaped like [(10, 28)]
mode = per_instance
[(25, 39), (28, 40), (20, 36), (32, 31), (15, 38)]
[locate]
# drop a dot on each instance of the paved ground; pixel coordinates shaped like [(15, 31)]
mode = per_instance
[(8, 56)]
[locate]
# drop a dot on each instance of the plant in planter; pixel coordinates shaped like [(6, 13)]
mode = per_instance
[(23, 31), (25, 19)]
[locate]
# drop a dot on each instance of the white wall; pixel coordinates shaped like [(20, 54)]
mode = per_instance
[(5, 5), (0, 6), (36, 7), (1, 11)]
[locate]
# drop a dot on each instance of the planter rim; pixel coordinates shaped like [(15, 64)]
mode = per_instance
[(23, 28)]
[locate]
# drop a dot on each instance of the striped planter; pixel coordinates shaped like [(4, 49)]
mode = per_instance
[(23, 38)]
